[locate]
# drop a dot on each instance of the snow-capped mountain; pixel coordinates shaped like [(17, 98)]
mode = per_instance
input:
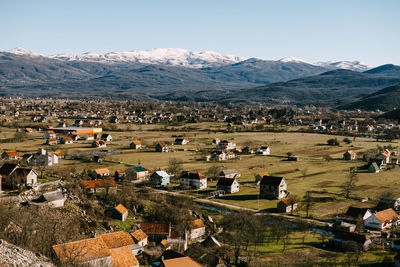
[(162, 56), (182, 57), (295, 60), (347, 65)]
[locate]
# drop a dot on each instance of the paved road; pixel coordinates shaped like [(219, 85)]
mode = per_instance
[(234, 207)]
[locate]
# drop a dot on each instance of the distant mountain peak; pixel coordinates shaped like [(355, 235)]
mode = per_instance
[(347, 65), (293, 59), (22, 51)]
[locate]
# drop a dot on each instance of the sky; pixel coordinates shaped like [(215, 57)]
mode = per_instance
[(319, 30)]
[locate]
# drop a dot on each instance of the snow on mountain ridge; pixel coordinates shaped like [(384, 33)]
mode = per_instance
[(164, 56), (182, 57)]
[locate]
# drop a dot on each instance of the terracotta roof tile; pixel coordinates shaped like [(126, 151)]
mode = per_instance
[(121, 209), (123, 257), (195, 224), (82, 251), (116, 239), (139, 235)]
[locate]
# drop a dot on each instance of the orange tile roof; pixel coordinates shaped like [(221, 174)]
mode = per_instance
[(181, 262), (137, 143), (262, 174), (53, 140), (195, 224), (121, 171), (58, 153), (88, 184), (11, 153), (162, 144), (81, 251), (139, 235), (289, 201), (165, 243), (50, 132), (102, 171), (121, 209), (386, 216), (116, 239), (123, 257), (67, 138)]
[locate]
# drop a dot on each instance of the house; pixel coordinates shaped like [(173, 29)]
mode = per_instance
[(287, 205), (197, 228), (120, 213), (101, 172), (54, 199), (89, 137), (382, 219), (373, 167), (273, 187), (181, 141), (112, 249), (51, 141), (140, 172), (217, 155), (161, 147), (156, 231), (228, 185), (388, 203), (19, 176), (159, 178), (66, 140), (216, 141), (75, 137), (342, 239), (99, 143), (98, 159), (140, 237), (98, 186), (90, 252), (225, 144), (260, 175), (349, 155), (50, 135), (193, 180), (106, 137), (135, 145), (119, 174), (386, 155), (229, 173), (264, 150), (230, 155), (28, 130), (353, 214), (10, 155)]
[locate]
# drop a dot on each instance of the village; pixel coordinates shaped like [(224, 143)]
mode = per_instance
[(163, 184)]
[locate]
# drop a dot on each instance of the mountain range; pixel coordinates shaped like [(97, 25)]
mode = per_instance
[(178, 74)]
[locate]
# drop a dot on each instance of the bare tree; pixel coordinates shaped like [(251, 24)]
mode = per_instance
[(350, 184)]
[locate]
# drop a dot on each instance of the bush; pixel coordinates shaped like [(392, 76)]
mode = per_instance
[(347, 140), (333, 142)]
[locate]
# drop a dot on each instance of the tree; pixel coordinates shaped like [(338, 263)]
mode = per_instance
[(174, 167), (349, 185), (328, 158), (308, 202), (304, 173), (214, 171), (130, 175), (333, 142)]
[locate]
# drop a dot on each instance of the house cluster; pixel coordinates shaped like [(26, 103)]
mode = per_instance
[(122, 248), (350, 226), (382, 160)]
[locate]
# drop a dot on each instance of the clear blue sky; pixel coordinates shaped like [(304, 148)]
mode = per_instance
[(312, 30)]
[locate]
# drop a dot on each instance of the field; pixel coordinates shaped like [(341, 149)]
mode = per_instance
[(312, 173)]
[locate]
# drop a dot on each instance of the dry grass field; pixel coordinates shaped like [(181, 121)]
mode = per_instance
[(311, 173)]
